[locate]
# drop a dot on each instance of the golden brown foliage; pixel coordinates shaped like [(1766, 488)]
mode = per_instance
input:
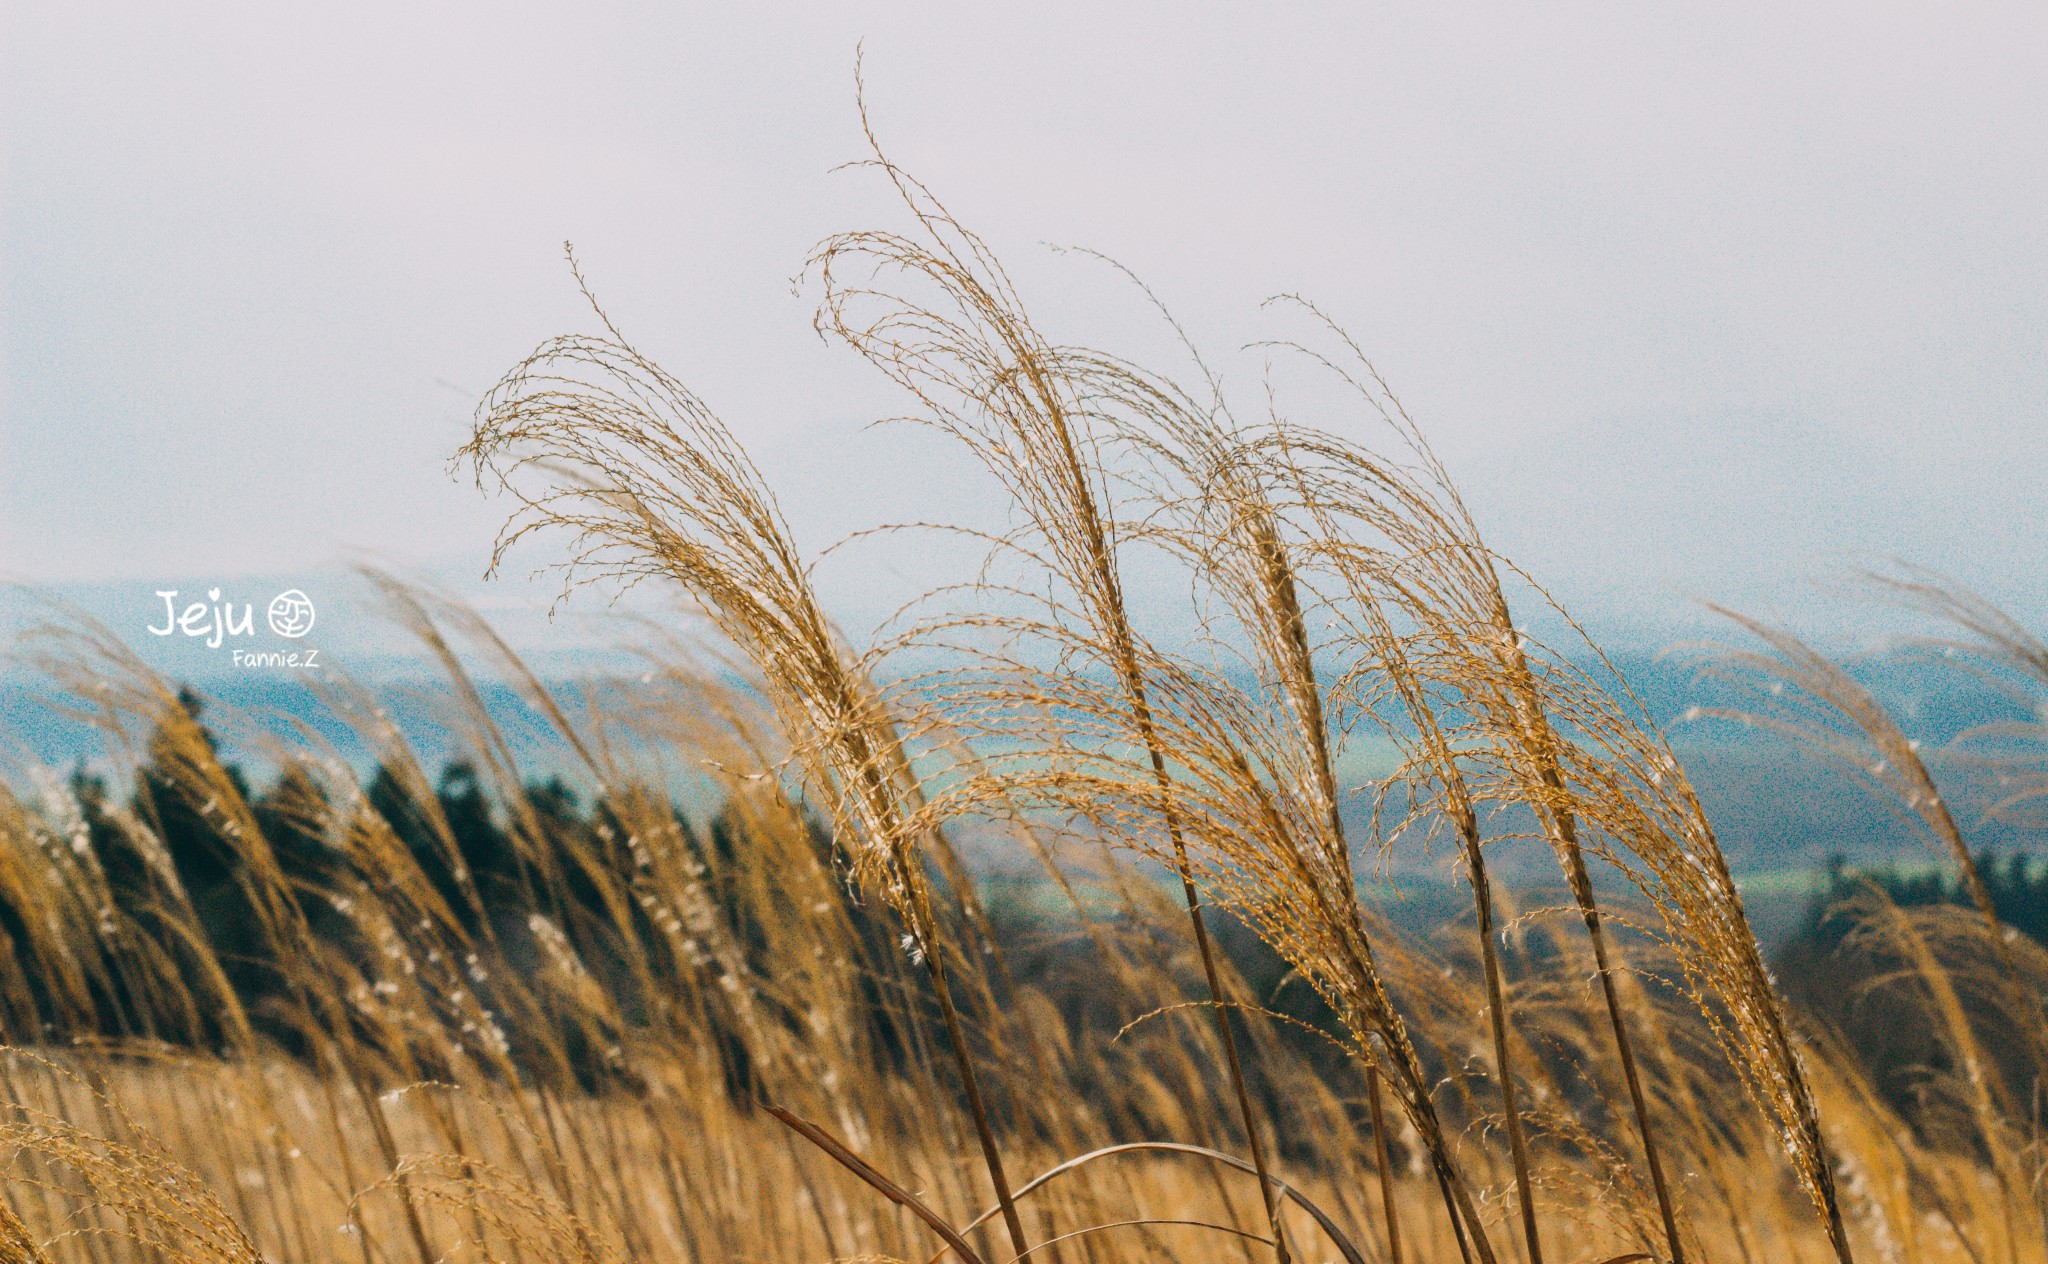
[(639, 1037)]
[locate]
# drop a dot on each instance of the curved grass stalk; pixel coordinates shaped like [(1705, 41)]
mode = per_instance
[(984, 376), (649, 483), (1234, 537), (1323, 1219)]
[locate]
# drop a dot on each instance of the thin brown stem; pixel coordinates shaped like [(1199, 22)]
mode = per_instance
[(1589, 911), (975, 1105), (1496, 1015), (1564, 831), (1385, 1160), (1102, 563), (1211, 975), (1276, 573)]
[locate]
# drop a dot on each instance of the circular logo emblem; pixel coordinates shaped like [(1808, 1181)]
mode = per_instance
[(291, 613)]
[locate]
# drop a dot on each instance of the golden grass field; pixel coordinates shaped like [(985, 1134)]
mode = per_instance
[(312, 1022)]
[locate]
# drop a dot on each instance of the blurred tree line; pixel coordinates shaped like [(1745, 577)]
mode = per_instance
[(1859, 968), (183, 883), (2017, 884)]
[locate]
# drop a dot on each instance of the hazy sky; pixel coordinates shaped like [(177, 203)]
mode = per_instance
[(1690, 296)]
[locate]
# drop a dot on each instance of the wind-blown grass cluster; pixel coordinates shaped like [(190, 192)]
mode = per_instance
[(324, 1021)]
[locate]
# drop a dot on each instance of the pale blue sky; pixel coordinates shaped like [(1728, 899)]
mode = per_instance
[(1690, 296)]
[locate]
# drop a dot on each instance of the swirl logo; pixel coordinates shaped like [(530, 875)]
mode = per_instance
[(291, 614)]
